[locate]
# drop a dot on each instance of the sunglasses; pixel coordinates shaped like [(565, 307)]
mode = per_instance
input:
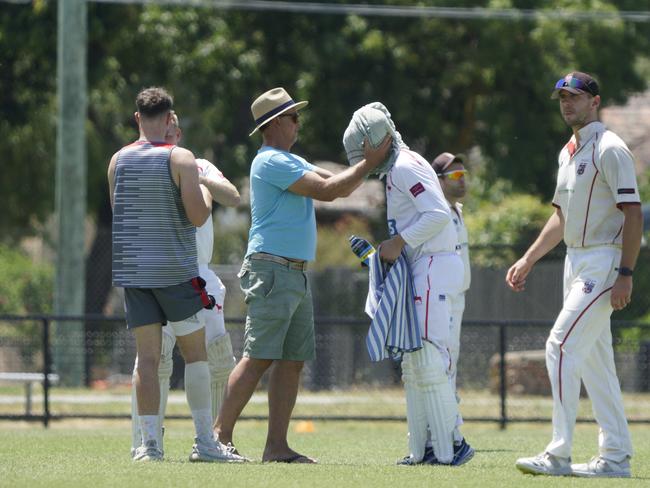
[(294, 116), (455, 175), (575, 83)]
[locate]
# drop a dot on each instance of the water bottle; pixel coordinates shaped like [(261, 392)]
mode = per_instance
[(362, 248)]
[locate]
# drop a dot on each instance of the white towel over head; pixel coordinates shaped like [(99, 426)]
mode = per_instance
[(372, 122)]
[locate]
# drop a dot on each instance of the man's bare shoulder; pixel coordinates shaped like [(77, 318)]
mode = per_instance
[(113, 160), (181, 156)]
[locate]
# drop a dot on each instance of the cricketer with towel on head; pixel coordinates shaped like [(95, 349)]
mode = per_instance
[(419, 221)]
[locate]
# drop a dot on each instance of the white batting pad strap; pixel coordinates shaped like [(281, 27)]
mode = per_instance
[(166, 365), (217, 390), (221, 362), (415, 413), (220, 357)]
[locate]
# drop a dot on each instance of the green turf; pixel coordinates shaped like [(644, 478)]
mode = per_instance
[(349, 402), (351, 454)]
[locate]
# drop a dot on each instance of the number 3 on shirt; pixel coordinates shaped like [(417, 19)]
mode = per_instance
[(392, 227)]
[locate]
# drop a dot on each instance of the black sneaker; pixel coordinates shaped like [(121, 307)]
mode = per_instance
[(463, 452)]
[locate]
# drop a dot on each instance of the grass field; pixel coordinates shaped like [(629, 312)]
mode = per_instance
[(351, 402), (95, 454)]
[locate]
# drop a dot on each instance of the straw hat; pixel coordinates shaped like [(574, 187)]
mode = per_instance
[(271, 104)]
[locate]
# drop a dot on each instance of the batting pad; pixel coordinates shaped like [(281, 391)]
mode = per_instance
[(221, 362), (415, 414), (438, 399)]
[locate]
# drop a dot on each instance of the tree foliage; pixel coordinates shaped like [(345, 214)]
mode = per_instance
[(450, 84)]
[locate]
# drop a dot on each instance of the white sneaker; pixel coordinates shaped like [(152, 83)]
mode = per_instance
[(599, 467), (545, 463), (213, 451), (148, 452), (233, 450)]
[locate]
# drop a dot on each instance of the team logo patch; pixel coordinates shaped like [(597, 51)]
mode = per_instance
[(417, 189), (442, 298), (581, 168), (588, 286)]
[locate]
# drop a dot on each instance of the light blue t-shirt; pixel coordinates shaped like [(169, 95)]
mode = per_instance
[(282, 222)]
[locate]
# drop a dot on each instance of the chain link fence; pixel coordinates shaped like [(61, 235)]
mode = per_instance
[(501, 372)]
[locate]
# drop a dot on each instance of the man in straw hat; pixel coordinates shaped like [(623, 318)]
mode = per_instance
[(282, 239)]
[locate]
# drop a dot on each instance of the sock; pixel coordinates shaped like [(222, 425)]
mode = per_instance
[(149, 427)]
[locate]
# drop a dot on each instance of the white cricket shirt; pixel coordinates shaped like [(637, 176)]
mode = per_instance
[(463, 242), (412, 191), (591, 183), (205, 233)]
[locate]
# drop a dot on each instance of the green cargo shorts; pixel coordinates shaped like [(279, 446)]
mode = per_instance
[(280, 320)]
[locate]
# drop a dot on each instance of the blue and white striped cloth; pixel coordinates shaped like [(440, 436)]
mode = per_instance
[(391, 305)]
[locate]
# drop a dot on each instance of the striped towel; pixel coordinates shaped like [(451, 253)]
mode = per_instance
[(391, 305)]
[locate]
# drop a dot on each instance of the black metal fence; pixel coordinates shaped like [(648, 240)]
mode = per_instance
[(501, 373)]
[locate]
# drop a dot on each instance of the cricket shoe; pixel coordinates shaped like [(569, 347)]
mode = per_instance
[(599, 467), (148, 452), (213, 452), (233, 450), (463, 453), (134, 450), (428, 458), (545, 463)]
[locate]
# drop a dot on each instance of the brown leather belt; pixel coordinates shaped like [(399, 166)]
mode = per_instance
[(297, 265)]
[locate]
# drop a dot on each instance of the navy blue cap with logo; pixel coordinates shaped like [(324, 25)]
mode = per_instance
[(576, 82)]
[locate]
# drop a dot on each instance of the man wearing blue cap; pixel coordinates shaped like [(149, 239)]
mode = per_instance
[(598, 214)]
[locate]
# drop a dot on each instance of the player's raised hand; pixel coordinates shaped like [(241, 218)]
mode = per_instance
[(516, 275), (374, 156)]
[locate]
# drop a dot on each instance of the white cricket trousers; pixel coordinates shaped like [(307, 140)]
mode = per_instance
[(457, 308), (457, 301), (435, 278), (580, 347)]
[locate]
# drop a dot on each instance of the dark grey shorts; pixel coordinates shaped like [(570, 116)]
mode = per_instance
[(174, 303)]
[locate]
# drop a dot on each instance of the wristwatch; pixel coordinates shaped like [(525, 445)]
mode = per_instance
[(623, 271)]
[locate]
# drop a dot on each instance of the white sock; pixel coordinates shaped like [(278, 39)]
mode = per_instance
[(149, 428), (197, 390), (203, 424)]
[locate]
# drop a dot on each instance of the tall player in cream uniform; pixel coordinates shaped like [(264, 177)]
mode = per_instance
[(597, 212), (218, 344), (450, 169)]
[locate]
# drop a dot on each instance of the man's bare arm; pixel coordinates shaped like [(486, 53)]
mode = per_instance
[(550, 236), (342, 184), (186, 176), (111, 179), (322, 172), (223, 191), (632, 231)]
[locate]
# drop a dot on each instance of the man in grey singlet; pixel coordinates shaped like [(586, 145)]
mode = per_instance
[(157, 205)]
